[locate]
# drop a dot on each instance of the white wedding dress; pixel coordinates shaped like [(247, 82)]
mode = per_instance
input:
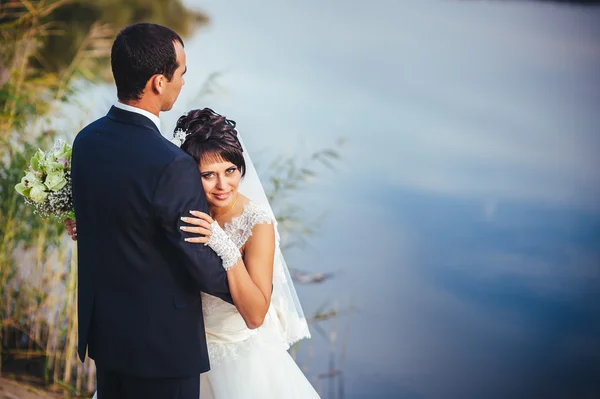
[(248, 364)]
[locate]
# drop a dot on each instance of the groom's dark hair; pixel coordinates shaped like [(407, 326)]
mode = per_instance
[(139, 52)]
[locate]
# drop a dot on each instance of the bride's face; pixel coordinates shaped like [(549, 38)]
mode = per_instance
[(220, 180)]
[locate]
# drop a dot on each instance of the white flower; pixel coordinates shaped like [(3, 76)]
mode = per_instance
[(38, 193), (55, 179), (38, 161), (32, 177)]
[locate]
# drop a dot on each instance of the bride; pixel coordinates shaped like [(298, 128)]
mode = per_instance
[(248, 342)]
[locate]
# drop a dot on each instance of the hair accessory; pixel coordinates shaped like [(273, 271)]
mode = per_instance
[(179, 137)]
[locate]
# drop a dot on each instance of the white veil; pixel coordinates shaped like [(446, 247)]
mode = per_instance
[(284, 300)]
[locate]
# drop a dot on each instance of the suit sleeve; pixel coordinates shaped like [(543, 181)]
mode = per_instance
[(179, 190)]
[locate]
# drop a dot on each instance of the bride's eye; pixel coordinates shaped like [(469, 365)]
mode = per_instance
[(231, 170), (207, 175)]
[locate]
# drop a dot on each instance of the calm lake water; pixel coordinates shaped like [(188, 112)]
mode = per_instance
[(463, 220)]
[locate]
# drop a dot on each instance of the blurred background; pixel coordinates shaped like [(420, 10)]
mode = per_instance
[(434, 166)]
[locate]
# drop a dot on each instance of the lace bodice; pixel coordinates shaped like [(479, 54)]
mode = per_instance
[(239, 229)]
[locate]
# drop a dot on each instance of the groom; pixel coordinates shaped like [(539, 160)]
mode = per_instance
[(139, 309)]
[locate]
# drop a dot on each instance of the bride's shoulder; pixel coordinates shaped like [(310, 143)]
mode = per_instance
[(257, 214), (253, 215), (250, 214)]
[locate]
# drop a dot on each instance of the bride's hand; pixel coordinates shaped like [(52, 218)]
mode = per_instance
[(201, 225), (71, 229)]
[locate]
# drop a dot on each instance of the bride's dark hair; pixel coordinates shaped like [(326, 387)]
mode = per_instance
[(210, 137)]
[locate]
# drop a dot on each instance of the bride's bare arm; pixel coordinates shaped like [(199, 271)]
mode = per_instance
[(250, 278)]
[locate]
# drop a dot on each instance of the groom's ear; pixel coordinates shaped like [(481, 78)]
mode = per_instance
[(157, 83)]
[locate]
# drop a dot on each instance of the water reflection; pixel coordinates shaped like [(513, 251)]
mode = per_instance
[(465, 218)]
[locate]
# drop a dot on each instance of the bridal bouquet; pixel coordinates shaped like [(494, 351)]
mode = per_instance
[(46, 185)]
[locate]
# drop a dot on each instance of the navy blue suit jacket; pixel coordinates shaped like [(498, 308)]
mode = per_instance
[(139, 303)]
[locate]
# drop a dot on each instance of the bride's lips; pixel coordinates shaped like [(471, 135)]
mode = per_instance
[(222, 197)]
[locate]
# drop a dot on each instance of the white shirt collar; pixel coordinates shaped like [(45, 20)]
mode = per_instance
[(140, 111)]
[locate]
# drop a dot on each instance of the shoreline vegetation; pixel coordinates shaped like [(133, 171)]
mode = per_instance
[(49, 49)]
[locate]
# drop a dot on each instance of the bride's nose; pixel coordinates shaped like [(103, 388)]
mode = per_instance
[(221, 182)]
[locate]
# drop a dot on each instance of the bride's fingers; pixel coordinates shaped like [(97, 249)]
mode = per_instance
[(197, 230), (202, 216), (197, 222), (197, 240), (72, 233)]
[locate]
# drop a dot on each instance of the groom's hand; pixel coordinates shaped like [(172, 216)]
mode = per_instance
[(71, 229), (201, 225)]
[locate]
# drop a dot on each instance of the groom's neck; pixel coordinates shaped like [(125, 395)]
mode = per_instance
[(142, 104)]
